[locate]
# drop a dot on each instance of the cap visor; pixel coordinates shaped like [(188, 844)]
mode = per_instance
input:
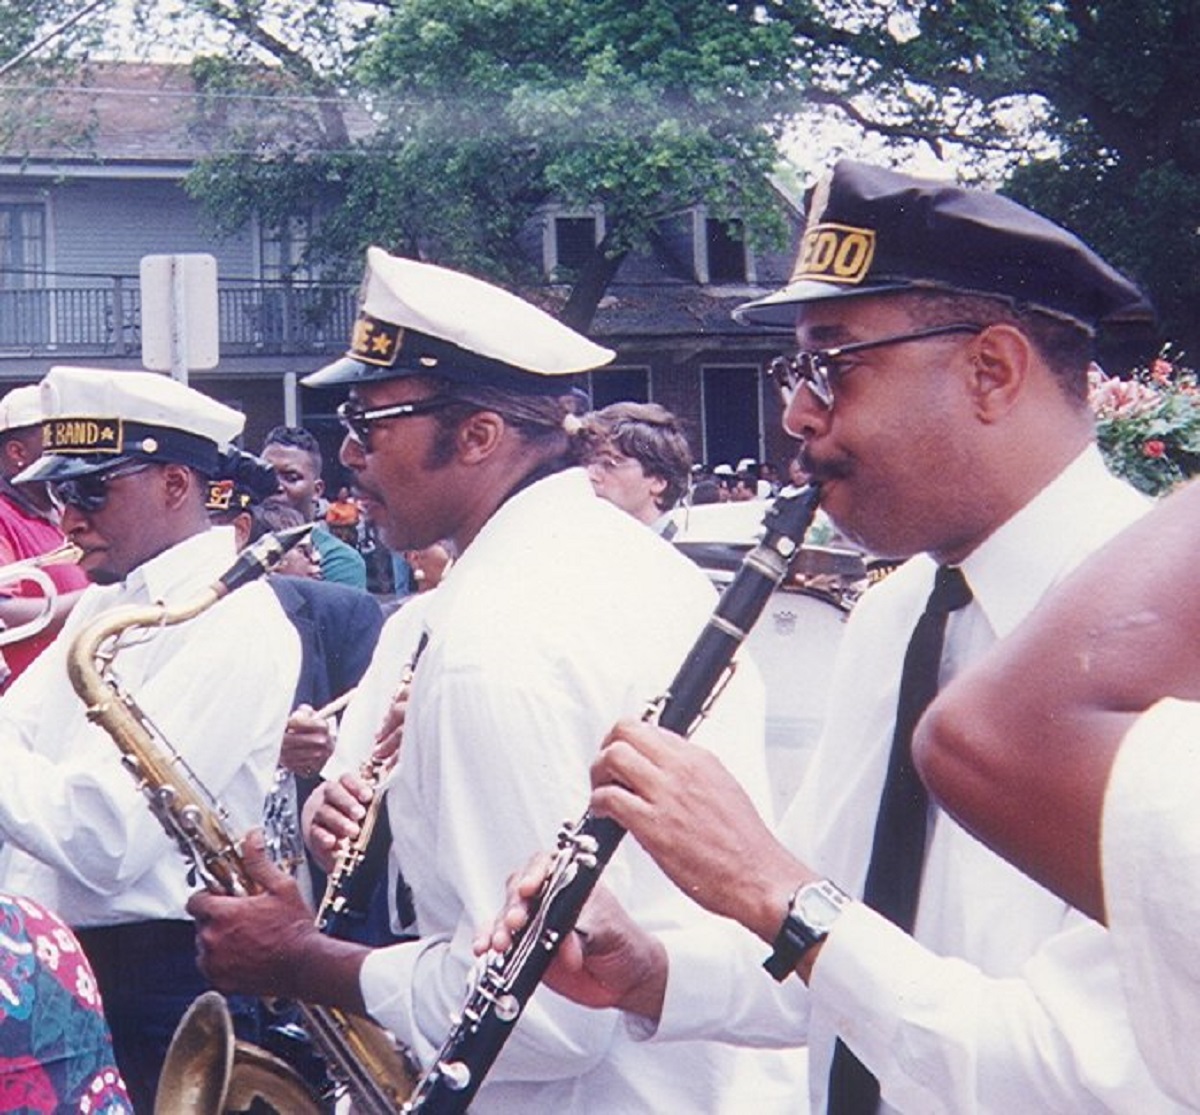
[(57, 466), (347, 370), (778, 310)]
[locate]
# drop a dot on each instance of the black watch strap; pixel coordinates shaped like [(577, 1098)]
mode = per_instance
[(798, 934)]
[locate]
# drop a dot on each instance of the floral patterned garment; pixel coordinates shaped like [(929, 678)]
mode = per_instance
[(55, 1049)]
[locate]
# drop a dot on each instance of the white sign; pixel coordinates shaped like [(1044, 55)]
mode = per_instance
[(179, 313)]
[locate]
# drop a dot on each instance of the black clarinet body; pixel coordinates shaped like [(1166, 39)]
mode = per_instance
[(507, 981)]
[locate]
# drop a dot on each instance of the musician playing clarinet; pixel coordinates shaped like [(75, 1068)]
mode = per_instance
[(939, 393), (560, 614)]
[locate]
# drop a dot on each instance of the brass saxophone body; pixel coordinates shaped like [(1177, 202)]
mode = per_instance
[(362, 1057)]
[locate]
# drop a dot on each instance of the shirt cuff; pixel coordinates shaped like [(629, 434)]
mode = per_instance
[(386, 980)]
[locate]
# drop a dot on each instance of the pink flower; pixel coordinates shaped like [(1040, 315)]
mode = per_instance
[(1154, 448), (1161, 370)]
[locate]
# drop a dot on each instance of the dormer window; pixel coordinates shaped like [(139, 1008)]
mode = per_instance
[(571, 239), (726, 251), (720, 249)]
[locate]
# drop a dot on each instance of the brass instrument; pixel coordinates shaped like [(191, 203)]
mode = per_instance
[(362, 1057), (30, 569), (208, 1070)]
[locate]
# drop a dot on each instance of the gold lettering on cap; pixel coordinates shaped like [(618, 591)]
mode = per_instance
[(832, 253), (73, 436), (375, 342)]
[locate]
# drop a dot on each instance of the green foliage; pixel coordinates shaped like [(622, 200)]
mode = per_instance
[(486, 110)]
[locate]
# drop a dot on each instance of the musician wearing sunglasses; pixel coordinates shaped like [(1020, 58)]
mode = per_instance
[(939, 394), (561, 613), (126, 458)]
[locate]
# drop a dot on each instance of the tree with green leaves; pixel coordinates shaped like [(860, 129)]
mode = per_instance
[(484, 111), (1085, 111)]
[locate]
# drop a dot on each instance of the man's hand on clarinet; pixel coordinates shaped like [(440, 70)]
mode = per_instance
[(606, 961), (697, 823), (332, 813)]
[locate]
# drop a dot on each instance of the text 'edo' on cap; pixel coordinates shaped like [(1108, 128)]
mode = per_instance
[(870, 230)]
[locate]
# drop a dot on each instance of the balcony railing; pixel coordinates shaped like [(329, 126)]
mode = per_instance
[(104, 319)]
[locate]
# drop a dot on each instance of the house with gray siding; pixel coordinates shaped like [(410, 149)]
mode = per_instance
[(91, 180)]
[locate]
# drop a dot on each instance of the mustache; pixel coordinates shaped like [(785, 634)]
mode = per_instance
[(833, 469)]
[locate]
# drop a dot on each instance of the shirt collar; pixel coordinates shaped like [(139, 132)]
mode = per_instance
[(1011, 570), (186, 567)]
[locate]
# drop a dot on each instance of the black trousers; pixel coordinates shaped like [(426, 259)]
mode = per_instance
[(148, 977)]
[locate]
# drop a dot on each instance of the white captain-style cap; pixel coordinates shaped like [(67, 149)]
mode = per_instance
[(21, 408), (418, 319), (97, 418)]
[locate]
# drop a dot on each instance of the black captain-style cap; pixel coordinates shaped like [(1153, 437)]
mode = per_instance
[(418, 319), (242, 481), (870, 230)]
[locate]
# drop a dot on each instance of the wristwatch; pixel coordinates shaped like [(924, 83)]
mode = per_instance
[(812, 910)]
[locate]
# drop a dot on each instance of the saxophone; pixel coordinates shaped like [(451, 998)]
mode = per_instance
[(362, 1058)]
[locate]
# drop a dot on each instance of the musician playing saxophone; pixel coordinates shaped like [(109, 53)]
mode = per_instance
[(127, 457), (560, 614)]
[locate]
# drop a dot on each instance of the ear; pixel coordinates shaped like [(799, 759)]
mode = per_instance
[(479, 435), (657, 486), (241, 529), (1001, 365), (319, 487), (178, 482), (14, 455)]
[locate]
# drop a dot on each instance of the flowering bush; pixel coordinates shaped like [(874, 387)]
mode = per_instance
[(1148, 426)]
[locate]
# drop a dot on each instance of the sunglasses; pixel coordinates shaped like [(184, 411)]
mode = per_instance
[(818, 369), (357, 420), (88, 493)]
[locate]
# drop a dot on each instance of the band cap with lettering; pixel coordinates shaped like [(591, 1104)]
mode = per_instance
[(242, 481), (870, 230), (418, 319), (21, 408), (97, 418)]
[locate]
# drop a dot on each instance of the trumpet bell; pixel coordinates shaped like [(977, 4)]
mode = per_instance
[(208, 1072), (32, 569)]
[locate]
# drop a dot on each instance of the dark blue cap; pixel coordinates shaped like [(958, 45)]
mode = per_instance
[(870, 231)]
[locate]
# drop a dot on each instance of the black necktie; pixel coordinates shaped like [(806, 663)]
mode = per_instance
[(898, 848)]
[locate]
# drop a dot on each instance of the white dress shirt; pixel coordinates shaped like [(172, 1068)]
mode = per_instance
[(78, 835), (1004, 998), (1151, 855), (563, 614)]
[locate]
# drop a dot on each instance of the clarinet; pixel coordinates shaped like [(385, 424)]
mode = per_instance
[(506, 981)]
